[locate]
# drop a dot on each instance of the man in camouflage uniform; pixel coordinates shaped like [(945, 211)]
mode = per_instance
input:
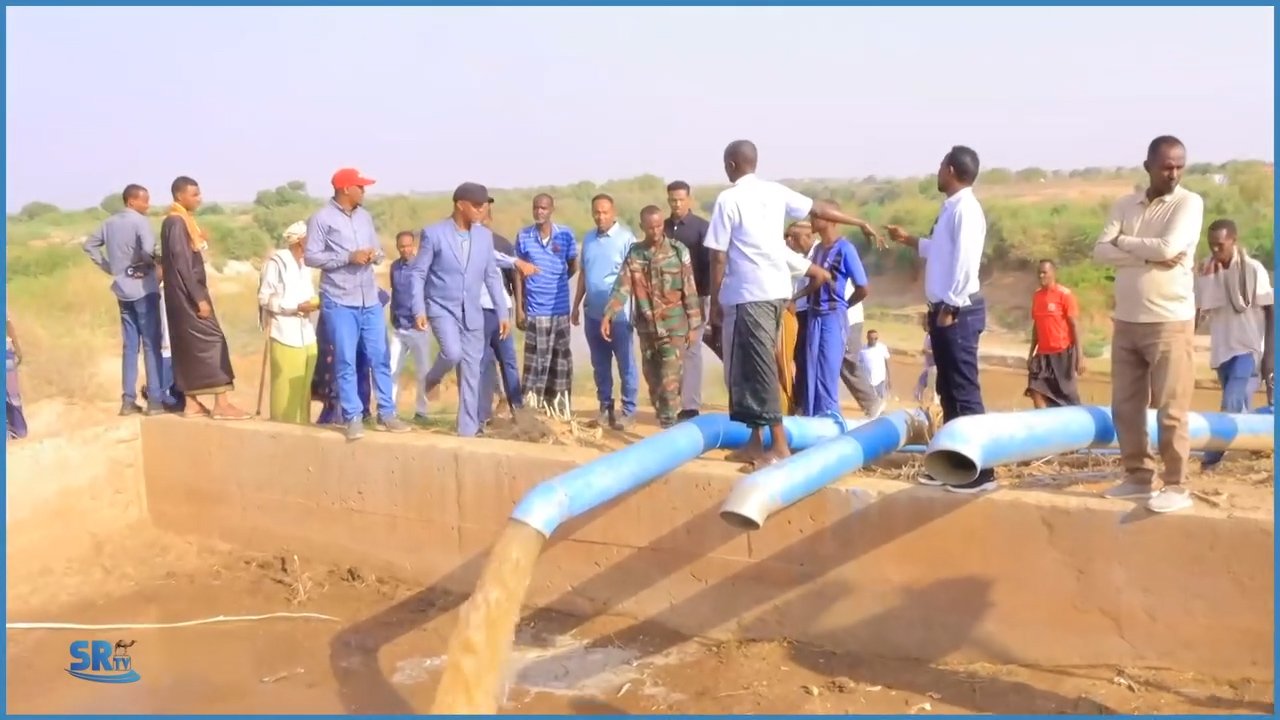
[(658, 276)]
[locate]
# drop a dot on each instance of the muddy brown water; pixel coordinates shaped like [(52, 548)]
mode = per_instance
[(474, 678)]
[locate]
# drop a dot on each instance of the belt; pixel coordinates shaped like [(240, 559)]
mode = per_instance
[(973, 300)]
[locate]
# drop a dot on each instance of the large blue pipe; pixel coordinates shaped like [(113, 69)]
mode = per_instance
[(583, 489), (773, 488), (964, 445)]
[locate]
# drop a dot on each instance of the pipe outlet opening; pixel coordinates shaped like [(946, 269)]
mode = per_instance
[(951, 467), (740, 521)]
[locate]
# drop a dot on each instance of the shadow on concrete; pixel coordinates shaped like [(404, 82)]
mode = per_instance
[(927, 625), (353, 651), (756, 584)]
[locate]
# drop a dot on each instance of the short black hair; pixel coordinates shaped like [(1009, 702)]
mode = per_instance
[(411, 234), (1223, 225), (547, 196), (182, 182), (1162, 142), (601, 196), (131, 191), (743, 154), (677, 186), (873, 331), (649, 211), (1051, 263), (964, 163)]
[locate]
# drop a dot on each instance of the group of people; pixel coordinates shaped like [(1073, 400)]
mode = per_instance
[(780, 305)]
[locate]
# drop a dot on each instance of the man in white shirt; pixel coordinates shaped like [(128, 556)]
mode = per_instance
[(1234, 293), (875, 358), (751, 285), (957, 313), (1150, 238)]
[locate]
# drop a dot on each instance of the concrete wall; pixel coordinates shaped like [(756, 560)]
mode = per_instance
[(885, 569), (63, 495)]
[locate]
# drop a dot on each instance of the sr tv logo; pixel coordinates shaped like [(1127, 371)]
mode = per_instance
[(101, 661)]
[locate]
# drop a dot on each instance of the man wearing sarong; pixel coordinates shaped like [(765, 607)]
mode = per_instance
[(826, 321), (658, 275), (287, 299), (752, 285), (201, 358), (542, 309), (1055, 361), (1234, 294)]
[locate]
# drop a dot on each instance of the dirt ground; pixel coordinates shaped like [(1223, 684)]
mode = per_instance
[(383, 655)]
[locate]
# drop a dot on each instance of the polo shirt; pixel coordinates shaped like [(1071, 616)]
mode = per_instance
[(546, 293), (602, 255), (1050, 309)]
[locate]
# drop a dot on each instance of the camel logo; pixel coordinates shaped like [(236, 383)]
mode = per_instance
[(102, 662)]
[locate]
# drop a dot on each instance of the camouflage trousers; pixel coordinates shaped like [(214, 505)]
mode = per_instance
[(662, 362)]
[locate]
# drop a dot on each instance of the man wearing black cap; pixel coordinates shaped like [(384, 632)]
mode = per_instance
[(455, 260)]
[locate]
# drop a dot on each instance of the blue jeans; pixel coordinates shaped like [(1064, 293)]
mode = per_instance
[(1236, 376), (955, 353), (499, 353), (364, 328), (619, 346), (140, 326)]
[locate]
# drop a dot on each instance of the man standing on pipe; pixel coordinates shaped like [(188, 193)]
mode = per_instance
[(1150, 238), (1234, 292), (752, 284), (957, 313), (1055, 360)]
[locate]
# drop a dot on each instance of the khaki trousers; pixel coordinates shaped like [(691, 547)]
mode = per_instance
[(1153, 366)]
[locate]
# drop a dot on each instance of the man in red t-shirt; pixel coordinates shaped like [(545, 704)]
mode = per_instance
[(1055, 360)]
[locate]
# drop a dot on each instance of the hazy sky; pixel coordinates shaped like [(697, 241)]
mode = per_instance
[(424, 98)]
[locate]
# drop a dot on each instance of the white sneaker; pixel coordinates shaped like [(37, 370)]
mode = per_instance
[(1170, 499)]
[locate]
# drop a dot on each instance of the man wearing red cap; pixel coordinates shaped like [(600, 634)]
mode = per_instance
[(343, 242)]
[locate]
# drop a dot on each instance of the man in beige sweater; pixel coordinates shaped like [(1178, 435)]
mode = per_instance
[(1151, 239)]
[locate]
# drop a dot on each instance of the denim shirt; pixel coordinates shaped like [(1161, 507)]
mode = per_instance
[(332, 235)]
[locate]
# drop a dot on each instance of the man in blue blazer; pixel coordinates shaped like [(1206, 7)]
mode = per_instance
[(455, 259)]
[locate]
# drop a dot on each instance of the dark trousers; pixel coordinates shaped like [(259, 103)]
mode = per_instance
[(955, 351)]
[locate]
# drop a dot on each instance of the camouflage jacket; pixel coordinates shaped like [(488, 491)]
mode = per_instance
[(659, 279)]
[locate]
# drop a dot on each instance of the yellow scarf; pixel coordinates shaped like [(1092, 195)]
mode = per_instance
[(198, 241)]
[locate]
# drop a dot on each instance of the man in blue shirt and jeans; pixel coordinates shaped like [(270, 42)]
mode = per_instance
[(125, 248), (603, 251), (343, 243)]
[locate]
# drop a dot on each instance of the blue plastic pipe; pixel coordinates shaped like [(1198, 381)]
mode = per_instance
[(583, 489), (964, 445), (773, 488)]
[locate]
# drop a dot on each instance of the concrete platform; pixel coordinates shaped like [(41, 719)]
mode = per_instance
[(872, 566)]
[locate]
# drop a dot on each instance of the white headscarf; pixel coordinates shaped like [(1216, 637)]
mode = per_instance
[(295, 233)]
